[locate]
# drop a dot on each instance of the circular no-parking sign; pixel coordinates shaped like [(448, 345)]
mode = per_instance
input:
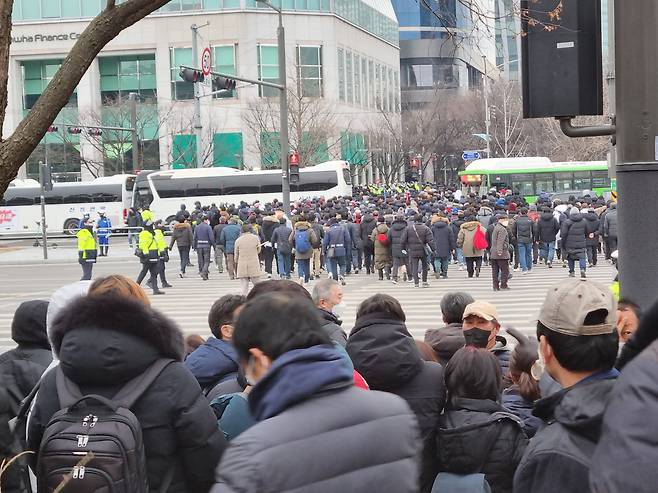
[(206, 61)]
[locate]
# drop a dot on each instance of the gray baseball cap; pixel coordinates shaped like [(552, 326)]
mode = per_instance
[(567, 305)]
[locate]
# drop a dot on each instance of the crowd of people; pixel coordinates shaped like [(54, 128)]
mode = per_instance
[(400, 235), (281, 397)]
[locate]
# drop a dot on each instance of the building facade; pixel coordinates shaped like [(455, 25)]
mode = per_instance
[(442, 45), (342, 59)]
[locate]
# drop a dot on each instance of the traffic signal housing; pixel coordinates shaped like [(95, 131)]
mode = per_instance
[(293, 164), (224, 84), (74, 130), (189, 75), (53, 128), (95, 132)]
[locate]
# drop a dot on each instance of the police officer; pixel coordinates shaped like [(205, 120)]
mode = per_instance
[(149, 256), (104, 230), (163, 251), (86, 249)]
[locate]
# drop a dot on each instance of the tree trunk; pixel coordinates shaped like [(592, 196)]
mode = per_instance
[(102, 29)]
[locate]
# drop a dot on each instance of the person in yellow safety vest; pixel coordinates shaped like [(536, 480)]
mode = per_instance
[(149, 256), (147, 215), (163, 251), (87, 251)]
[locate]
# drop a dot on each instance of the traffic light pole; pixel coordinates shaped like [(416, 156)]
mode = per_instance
[(197, 101), (637, 147), (44, 235), (283, 112), (133, 124)]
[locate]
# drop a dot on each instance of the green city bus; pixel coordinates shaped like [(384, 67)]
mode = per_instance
[(534, 175)]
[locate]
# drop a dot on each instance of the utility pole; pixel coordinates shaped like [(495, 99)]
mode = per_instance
[(636, 80), (197, 102), (44, 176), (487, 121), (132, 97)]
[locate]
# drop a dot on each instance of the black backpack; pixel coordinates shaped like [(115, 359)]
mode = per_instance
[(94, 443)]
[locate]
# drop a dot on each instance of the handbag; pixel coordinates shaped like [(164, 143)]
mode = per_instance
[(331, 252), (90, 256), (426, 248)]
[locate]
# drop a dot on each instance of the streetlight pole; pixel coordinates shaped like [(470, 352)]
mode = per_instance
[(487, 120), (283, 110)]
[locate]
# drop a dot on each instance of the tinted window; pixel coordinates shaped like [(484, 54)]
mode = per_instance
[(600, 179), (347, 176), (130, 183)]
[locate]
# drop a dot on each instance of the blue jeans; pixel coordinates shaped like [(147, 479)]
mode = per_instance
[(460, 257), (525, 256), (582, 260), (303, 269), (547, 251), (335, 263), (284, 261), (441, 265)]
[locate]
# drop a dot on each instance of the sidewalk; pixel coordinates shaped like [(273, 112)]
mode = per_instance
[(65, 253)]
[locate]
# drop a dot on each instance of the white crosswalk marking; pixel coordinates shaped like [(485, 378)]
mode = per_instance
[(190, 299)]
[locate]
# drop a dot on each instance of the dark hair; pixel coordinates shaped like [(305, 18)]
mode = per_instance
[(246, 228), (626, 304), (284, 286), (520, 364), (474, 373), (277, 323), (453, 305), (583, 353), (383, 304), (426, 351), (222, 311)]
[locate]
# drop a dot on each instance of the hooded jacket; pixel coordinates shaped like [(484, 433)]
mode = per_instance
[(465, 239), (499, 242), (368, 223), (446, 341), (281, 239), (485, 214), (332, 326), (610, 222), (414, 239), (470, 442), (212, 362), (383, 258), (228, 236), (444, 238), (355, 233), (386, 355), (524, 229), (270, 223), (103, 343), (395, 233), (514, 402), (320, 433), (573, 417), (547, 227), (574, 234), (182, 233), (22, 367), (593, 226), (312, 239)]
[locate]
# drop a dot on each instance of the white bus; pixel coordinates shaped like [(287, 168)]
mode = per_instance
[(165, 191), (66, 204)]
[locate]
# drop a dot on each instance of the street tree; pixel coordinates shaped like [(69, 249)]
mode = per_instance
[(16, 148)]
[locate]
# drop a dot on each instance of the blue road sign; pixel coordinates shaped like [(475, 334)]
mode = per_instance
[(470, 155)]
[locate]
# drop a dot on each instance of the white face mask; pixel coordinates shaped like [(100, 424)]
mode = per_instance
[(339, 309), (538, 367)]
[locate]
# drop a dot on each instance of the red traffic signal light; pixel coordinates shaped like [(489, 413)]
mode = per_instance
[(224, 83), (293, 159), (74, 130), (189, 75), (53, 128), (95, 132), (415, 162)]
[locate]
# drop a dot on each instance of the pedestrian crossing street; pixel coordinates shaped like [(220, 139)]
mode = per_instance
[(190, 299)]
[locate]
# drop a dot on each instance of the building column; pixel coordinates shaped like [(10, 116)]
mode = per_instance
[(89, 103)]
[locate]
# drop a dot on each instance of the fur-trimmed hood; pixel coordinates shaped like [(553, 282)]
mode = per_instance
[(119, 315)]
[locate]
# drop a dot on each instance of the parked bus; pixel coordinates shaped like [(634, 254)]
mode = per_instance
[(66, 204), (534, 175), (165, 191)]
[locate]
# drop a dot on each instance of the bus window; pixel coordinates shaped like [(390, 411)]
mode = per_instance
[(20, 200), (600, 179), (317, 180), (54, 199), (524, 184), (239, 185), (77, 199), (105, 197), (563, 182), (143, 197), (582, 180), (200, 192), (544, 182), (130, 183), (347, 176)]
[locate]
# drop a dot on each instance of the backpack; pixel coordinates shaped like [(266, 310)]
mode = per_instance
[(96, 442), (479, 240), (383, 240), (303, 241)]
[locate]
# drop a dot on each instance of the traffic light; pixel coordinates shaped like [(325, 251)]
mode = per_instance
[(53, 128), (95, 132), (74, 130), (224, 83), (189, 75), (293, 162), (415, 163)]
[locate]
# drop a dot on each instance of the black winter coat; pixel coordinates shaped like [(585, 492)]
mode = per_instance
[(444, 239), (494, 449), (103, 343), (270, 223), (21, 368), (455, 225), (368, 223), (331, 324), (355, 233), (559, 456), (386, 355), (593, 226), (574, 234), (414, 239), (395, 233), (524, 229), (547, 228)]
